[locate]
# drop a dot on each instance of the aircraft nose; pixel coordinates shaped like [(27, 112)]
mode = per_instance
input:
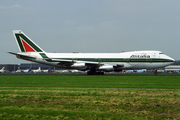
[(171, 59)]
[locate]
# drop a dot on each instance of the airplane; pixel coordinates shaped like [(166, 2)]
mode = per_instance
[(64, 71), (128, 71), (95, 63), (2, 70), (27, 70), (18, 70), (75, 71), (140, 71), (37, 71), (47, 71)]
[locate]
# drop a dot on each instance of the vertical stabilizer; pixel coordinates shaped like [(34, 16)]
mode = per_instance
[(39, 68), (24, 43), (2, 68), (29, 70)]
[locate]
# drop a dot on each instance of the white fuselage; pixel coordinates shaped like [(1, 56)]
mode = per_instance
[(129, 60)]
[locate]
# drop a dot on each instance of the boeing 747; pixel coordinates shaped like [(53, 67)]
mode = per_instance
[(94, 63)]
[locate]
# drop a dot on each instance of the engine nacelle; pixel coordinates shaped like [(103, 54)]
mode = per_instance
[(79, 66), (106, 68), (117, 68)]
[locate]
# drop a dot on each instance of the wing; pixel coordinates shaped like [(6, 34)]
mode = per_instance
[(61, 61), (93, 66), (68, 63)]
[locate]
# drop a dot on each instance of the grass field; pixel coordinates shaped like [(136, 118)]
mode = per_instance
[(76, 80), (89, 97)]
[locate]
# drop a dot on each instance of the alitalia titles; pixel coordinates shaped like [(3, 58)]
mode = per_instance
[(140, 56)]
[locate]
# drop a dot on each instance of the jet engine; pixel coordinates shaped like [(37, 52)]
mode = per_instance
[(117, 68), (109, 68), (79, 66), (106, 68)]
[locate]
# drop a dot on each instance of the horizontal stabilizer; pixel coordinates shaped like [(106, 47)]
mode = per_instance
[(22, 56)]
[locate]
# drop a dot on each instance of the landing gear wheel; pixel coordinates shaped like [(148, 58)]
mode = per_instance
[(102, 73), (95, 73), (88, 73), (155, 72)]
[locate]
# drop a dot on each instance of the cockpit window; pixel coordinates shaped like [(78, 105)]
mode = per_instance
[(161, 53)]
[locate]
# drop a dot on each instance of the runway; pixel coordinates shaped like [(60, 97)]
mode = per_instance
[(163, 89), (84, 74)]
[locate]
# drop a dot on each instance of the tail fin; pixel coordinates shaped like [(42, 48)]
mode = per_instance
[(49, 70), (2, 68), (39, 68), (24, 43), (29, 70)]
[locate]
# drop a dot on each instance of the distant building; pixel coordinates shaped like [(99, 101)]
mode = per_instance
[(9, 67), (23, 66), (175, 67), (37, 65), (177, 62)]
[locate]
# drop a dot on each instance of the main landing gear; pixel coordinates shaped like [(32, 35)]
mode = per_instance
[(155, 72), (95, 73)]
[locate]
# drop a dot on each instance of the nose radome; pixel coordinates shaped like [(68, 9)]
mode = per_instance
[(171, 59)]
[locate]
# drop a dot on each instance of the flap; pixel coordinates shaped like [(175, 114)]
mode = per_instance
[(61, 61)]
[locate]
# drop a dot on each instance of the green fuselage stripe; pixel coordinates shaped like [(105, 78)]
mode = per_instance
[(117, 59), (43, 55), (111, 59)]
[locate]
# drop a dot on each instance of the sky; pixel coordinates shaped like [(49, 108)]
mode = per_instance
[(91, 26)]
